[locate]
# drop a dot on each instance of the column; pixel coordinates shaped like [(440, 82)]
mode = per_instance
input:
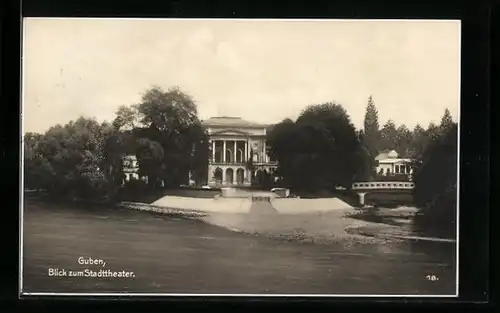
[(234, 151), (245, 158), (265, 152), (361, 198), (224, 151), (213, 151)]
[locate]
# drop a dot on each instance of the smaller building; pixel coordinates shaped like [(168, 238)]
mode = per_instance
[(131, 169), (389, 163)]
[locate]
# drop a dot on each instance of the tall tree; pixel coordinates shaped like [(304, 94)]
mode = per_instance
[(126, 118), (170, 118), (433, 132), (388, 136), (371, 128), (446, 122), (403, 141), (419, 141)]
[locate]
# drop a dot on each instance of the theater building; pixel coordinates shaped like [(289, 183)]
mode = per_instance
[(238, 152)]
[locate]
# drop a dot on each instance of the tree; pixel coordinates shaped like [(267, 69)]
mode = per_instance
[(170, 118), (126, 118), (168, 111), (320, 150), (419, 141), (436, 185), (38, 172), (117, 145), (388, 136), (403, 141), (150, 156), (69, 159), (446, 122), (371, 128), (433, 133), (200, 153)]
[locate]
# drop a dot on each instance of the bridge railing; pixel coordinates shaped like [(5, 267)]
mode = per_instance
[(383, 185)]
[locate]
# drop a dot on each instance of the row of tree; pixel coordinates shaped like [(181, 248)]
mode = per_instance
[(84, 157), (320, 150), (408, 143)]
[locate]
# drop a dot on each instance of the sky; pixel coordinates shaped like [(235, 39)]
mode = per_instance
[(260, 70)]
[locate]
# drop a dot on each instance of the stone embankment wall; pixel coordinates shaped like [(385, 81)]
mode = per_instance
[(243, 205)]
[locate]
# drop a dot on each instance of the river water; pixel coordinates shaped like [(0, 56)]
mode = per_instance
[(174, 255)]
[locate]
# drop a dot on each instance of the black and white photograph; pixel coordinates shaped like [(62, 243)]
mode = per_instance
[(240, 157)]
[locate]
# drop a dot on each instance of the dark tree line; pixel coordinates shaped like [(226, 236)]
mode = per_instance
[(67, 159), (436, 184), (435, 153), (407, 143), (85, 158)]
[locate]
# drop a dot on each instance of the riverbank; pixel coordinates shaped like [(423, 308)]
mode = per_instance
[(341, 226), (177, 255)]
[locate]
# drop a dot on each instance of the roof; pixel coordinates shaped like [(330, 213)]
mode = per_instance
[(227, 121), (387, 154), (390, 161), (130, 157)]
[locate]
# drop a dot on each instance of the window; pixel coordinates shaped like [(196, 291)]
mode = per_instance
[(396, 169), (378, 185), (372, 185)]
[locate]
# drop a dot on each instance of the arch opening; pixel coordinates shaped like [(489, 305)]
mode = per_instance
[(218, 175), (229, 176)]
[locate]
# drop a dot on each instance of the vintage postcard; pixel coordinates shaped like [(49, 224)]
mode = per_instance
[(240, 157)]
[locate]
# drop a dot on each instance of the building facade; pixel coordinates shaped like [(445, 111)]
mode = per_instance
[(238, 151), (131, 169), (389, 163)]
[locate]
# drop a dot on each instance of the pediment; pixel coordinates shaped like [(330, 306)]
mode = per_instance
[(229, 132)]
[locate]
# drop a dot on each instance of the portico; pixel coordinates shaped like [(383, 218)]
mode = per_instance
[(234, 145), (228, 164)]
